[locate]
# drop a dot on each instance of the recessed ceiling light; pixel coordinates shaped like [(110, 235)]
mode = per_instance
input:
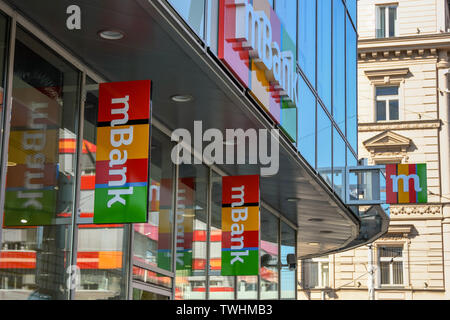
[(182, 98), (11, 164), (313, 244), (293, 199), (23, 220), (111, 34)]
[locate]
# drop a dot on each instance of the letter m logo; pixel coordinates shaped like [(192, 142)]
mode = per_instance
[(406, 183)]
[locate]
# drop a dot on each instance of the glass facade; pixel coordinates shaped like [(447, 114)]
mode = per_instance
[(48, 227)]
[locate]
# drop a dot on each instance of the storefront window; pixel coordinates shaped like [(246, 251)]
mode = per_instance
[(269, 256), (219, 287), (153, 240), (191, 226), (38, 210), (3, 60), (287, 274), (102, 249)]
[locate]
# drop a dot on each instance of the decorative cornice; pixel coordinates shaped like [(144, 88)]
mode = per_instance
[(415, 210), (400, 125), (387, 73)]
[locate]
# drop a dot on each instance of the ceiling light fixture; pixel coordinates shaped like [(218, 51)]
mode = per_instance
[(313, 244), (24, 221), (293, 199), (182, 98), (111, 34)]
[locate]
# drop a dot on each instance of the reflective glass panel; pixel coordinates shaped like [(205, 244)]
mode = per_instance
[(153, 240), (324, 79), (3, 61), (269, 256), (219, 287), (192, 11), (324, 155), (339, 63), (191, 226), (36, 238), (339, 150), (307, 123), (151, 277), (352, 116), (307, 38), (287, 280), (139, 294)]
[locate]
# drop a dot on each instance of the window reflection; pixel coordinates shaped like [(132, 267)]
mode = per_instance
[(269, 256), (352, 116), (192, 11), (219, 287), (40, 176), (287, 276), (323, 51), (339, 63), (307, 38), (307, 124), (324, 157), (102, 255), (339, 150), (153, 240), (190, 234)]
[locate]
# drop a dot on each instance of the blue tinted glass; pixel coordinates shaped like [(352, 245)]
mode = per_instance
[(339, 150), (307, 123), (352, 117), (351, 7), (192, 11), (323, 51), (307, 38), (287, 12), (353, 180), (339, 63), (324, 145), (387, 91)]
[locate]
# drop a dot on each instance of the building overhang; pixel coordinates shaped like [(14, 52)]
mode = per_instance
[(158, 46)]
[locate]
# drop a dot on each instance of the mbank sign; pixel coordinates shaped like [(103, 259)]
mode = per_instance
[(240, 226), (122, 165), (406, 183)]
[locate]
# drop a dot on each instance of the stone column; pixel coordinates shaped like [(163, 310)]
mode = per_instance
[(444, 140)]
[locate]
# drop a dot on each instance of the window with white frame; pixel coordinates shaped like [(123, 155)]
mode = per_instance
[(391, 265), (386, 16), (316, 273), (387, 103)]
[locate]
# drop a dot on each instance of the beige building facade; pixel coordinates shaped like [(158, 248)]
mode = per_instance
[(403, 114)]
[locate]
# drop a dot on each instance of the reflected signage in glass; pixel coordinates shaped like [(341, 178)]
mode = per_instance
[(257, 48), (240, 225), (122, 166), (406, 183)]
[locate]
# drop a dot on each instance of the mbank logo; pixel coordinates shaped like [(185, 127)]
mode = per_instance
[(406, 183)]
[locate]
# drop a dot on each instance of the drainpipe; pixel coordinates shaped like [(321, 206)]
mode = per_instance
[(371, 269), (444, 149)]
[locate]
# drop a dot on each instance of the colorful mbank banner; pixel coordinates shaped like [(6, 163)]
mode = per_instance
[(240, 226), (406, 183), (123, 140)]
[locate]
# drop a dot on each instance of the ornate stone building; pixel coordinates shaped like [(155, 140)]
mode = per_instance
[(403, 114)]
